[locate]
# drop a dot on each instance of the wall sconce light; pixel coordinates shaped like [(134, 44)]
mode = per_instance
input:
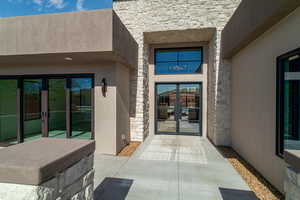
[(104, 87)]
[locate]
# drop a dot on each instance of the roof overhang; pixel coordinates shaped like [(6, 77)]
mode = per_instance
[(251, 19), (85, 37)]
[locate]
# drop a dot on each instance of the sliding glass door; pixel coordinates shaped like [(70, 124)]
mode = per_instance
[(81, 107), (57, 106), (46, 106), (178, 108), (32, 109), (8, 111)]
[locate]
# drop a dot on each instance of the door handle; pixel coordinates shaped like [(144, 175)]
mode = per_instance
[(43, 116), (179, 112)]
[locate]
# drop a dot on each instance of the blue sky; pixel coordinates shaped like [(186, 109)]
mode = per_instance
[(10, 8)]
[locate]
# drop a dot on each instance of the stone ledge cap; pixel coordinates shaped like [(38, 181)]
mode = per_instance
[(32, 163), (292, 158)]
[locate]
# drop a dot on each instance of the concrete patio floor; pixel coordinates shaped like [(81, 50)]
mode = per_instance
[(169, 167)]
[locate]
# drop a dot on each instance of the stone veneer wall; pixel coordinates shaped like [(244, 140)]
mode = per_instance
[(75, 183), (292, 184), (141, 16)]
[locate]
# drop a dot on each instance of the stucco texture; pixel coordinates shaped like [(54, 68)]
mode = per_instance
[(254, 97)]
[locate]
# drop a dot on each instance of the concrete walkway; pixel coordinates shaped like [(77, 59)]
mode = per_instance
[(169, 167)]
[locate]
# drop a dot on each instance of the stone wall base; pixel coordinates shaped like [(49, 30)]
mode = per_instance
[(292, 184), (75, 183)]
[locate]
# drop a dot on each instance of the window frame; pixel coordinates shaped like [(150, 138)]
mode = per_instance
[(178, 49), (46, 77), (280, 100)]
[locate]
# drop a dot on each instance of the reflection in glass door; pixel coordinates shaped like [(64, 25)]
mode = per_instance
[(189, 108), (46, 106), (8, 112), (178, 108), (166, 104), (57, 108), (81, 107), (32, 109)]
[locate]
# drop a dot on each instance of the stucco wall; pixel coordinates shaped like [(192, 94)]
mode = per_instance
[(254, 97), (30, 34), (141, 16), (107, 108)]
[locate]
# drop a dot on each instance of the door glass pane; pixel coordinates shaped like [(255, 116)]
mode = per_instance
[(8, 111), (32, 95), (166, 107), (292, 103), (189, 115), (81, 107), (57, 108)]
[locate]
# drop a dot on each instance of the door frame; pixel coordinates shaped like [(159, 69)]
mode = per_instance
[(176, 109), (45, 100)]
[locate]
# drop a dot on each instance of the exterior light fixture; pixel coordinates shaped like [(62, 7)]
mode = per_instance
[(104, 87), (68, 58)]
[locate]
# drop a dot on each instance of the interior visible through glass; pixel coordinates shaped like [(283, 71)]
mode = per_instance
[(189, 120), (35, 112), (32, 105), (8, 111), (292, 103), (178, 108), (57, 108), (166, 104), (81, 107)]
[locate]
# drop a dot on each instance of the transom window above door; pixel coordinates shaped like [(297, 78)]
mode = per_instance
[(178, 61)]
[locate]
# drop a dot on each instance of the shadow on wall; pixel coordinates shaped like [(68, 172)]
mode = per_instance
[(113, 189), (133, 91)]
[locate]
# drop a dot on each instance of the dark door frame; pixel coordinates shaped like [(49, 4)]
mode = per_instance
[(177, 108), (45, 100), (280, 102)]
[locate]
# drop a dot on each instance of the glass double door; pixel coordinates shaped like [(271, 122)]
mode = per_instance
[(178, 108), (36, 107), (44, 108)]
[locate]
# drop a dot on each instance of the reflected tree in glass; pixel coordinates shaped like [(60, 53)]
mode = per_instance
[(81, 107), (8, 111), (57, 107)]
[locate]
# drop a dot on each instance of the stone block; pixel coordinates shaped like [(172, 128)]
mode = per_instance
[(85, 194), (74, 183), (291, 175), (88, 178), (78, 186), (78, 196), (24, 164), (78, 170), (25, 192), (89, 192), (292, 190)]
